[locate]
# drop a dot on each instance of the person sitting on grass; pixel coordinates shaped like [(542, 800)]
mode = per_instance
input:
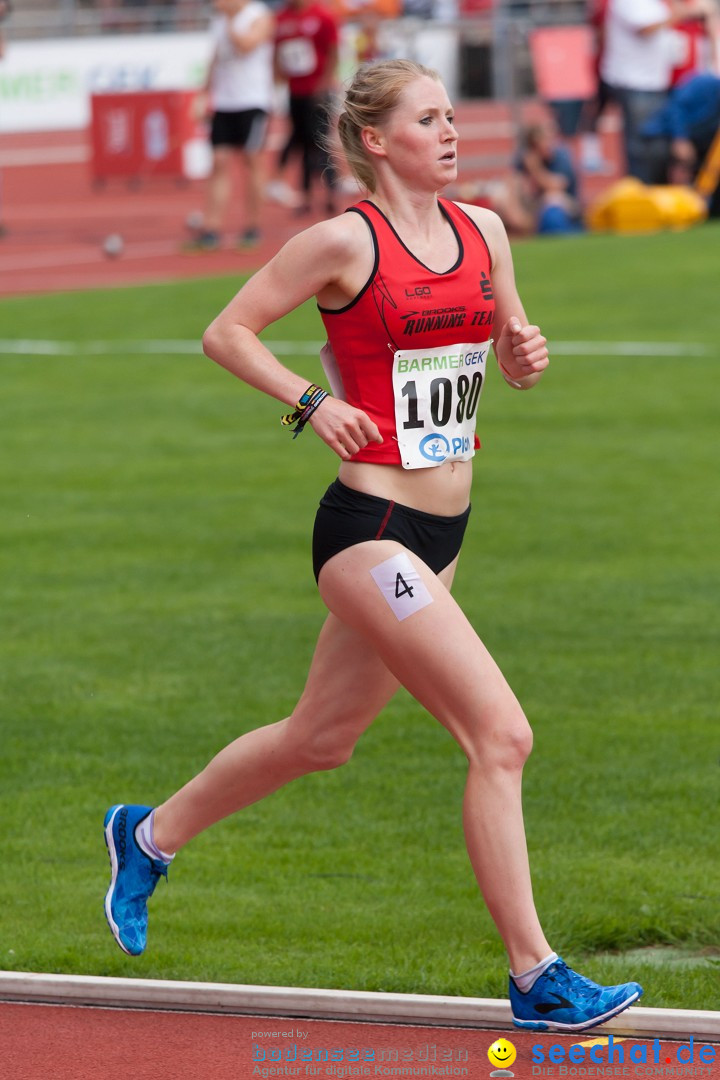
[(547, 181)]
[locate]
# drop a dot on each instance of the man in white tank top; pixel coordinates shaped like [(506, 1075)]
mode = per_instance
[(240, 88), (636, 65)]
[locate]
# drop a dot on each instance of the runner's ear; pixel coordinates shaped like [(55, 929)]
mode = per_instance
[(373, 141)]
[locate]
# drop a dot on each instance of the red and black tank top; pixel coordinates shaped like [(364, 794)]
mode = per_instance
[(405, 309)]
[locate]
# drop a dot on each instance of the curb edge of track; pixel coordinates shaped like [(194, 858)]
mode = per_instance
[(357, 1005)]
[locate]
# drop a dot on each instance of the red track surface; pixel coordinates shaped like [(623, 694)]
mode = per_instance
[(45, 1042), (57, 220)]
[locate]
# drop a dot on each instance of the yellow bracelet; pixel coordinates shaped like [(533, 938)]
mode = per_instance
[(311, 395)]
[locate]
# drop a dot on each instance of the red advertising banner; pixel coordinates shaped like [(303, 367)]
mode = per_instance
[(148, 133)]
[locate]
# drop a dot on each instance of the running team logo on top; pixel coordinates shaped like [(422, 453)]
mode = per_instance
[(436, 398)]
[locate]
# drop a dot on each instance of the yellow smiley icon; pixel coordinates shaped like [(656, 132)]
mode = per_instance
[(502, 1053)]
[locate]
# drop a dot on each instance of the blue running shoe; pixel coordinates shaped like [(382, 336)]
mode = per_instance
[(562, 1000), (134, 876)]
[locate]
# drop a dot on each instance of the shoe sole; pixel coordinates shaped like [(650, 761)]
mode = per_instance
[(548, 1025), (110, 844)]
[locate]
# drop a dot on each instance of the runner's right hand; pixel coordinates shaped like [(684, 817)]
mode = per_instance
[(344, 428)]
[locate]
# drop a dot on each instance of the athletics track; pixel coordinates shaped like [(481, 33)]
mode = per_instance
[(57, 219), (57, 1027), (54, 1042)]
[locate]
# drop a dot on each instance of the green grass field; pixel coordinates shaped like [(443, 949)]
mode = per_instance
[(158, 600)]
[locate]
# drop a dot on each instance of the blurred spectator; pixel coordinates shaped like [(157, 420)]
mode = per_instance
[(306, 57), (541, 193), (548, 184), (239, 87), (364, 19), (688, 123), (696, 45), (367, 44), (355, 11), (5, 9), (502, 196), (637, 65), (591, 157)]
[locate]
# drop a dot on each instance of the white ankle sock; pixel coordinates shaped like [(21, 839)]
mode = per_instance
[(526, 979), (144, 834)]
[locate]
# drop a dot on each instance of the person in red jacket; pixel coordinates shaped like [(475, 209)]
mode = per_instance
[(306, 58), (413, 290)]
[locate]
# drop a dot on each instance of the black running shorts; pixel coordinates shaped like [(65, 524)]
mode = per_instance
[(245, 129), (346, 517)]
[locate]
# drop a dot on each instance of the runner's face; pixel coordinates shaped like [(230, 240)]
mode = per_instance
[(419, 137)]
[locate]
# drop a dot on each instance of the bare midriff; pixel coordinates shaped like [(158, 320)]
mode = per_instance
[(442, 489)]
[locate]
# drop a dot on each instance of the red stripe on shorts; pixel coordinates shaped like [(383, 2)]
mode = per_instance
[(381, 530)]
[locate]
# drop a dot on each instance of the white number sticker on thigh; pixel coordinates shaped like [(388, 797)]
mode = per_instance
[(401, 585)]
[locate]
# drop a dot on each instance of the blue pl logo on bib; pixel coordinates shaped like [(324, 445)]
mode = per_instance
[(434, 447), (437, 448)]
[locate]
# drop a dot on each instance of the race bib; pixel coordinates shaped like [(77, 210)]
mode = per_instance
[(436, 398), (297, 57)]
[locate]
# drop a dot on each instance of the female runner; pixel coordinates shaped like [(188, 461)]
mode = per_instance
[(410, 288)]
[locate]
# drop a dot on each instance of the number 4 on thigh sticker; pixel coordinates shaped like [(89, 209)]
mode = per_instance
[(401, 585)]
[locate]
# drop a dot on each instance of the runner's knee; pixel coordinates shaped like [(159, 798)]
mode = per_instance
[(323, 747), (513, 744), (325, 750), (505, 744), (519, 743), (331, 755)]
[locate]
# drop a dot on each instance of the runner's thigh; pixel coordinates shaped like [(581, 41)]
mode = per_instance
[(392, 598), (347, 686)]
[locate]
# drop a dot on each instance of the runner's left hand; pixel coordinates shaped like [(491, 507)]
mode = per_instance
[(522, 351)]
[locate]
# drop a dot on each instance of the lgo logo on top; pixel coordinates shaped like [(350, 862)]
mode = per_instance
[(502, 1054)]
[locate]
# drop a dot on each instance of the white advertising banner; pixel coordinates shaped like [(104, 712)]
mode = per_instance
[(46, 85)]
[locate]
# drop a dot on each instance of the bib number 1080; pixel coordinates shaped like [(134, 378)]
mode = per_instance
[(442, 400)]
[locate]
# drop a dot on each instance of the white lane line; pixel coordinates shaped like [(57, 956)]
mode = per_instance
[(40, 347), (191, 347), (43, 155), (629, 348), (90, 254)]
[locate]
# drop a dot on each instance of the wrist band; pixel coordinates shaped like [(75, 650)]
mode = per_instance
[(304, 409), (308, 413), (305, 400), (508, 377)]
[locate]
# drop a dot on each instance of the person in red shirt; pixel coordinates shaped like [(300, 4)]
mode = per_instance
[(699, 45), (412, 289), (306, 58)]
